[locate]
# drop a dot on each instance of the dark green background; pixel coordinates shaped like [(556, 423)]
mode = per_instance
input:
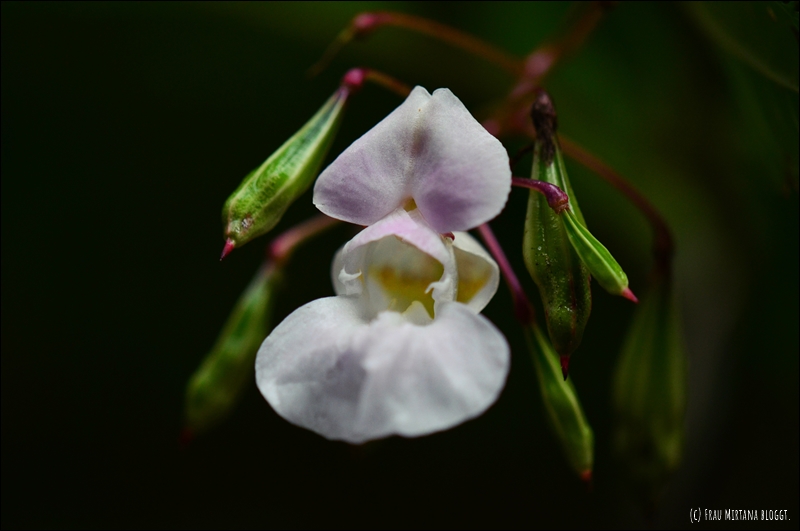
[(125, 127)]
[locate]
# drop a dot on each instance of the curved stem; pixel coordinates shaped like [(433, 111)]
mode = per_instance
[(282, 247), (523, 309), (557, 199), (366, 23), (388, 82), (355, 78), (539, 62)]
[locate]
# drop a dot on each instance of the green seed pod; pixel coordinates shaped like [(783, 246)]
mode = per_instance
[(560, 274), (214, 389), (561, 403), (264, 195), (650, 392), (595, 256)]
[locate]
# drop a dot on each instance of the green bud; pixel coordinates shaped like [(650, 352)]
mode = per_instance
[(650, 392), (264, 195), (562, 406), (215, 388), (595, 256), (561, 276)]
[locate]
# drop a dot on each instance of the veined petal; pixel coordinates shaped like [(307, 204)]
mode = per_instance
[(429, 149), (478, 273), (326, 369)]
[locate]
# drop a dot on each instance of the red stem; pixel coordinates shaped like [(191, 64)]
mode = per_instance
[(523, 309), (367, 22), (355, 78), (557, 199), (282, 247)]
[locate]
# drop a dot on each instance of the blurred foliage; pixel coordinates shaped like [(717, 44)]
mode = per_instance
[(650, 393), (760, 41), (125, 126)]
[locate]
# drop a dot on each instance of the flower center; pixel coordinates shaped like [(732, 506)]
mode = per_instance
[(398, 275)]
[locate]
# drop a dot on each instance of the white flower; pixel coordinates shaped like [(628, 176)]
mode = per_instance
[(401, 348), (431, 150)]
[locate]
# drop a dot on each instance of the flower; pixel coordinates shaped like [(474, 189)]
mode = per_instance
[(429, 150), (401, 349)]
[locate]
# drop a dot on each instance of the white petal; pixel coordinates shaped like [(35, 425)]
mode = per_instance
[(461, 173), (325, 369), (352, 261), (478, 274), (369, 179), (430, 149)]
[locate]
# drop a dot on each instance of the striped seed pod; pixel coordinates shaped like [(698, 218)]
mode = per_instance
[(260, 201), (563, 409)]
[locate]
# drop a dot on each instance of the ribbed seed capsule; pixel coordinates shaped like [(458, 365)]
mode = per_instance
[(650, 392), (215, 388), (264, 195), (560, 274), (562, 406)]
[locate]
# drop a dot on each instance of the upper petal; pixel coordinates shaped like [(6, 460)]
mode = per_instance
[(326, 369), (461, 173), (430, 149), (369, 179)]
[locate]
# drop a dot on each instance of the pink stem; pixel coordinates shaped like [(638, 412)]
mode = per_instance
[(523, 309), (557, 199), (282, 247), (366, 23), (355, 78)]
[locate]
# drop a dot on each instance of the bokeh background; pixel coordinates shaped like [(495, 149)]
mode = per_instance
[(125, 127)]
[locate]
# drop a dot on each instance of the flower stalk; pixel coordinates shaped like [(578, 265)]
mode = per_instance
[(523, 309), (556, 198), (365, 23), (356, 77)]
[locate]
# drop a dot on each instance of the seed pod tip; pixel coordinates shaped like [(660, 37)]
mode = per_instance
[(229, 245), (628, 294), (565, 366)]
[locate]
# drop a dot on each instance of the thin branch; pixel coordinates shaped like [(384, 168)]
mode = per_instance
[(282, 247), (541, 61), (557, 199), (523, 309), (366, 23)]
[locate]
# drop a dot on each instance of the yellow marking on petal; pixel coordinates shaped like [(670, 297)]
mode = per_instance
[(467, 289), (403, 287), (410, 205), (473, 274)]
